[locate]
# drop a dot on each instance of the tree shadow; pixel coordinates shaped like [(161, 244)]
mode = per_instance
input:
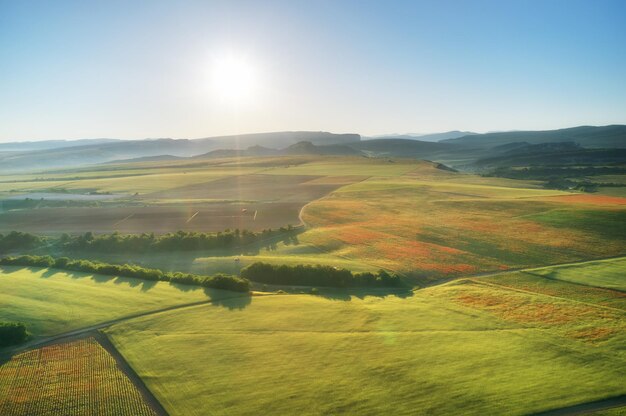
[(49, 273), (119, 280), (234, 303), (361, 293), (185, 288), (343, 294), (5, 358), (218, 297)]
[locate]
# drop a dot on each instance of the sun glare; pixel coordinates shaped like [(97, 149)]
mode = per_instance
[(234, 79)]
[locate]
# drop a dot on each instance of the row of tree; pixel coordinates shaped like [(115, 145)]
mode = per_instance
[(181, 240), (12, 333), (218, 281), (29, 203), (554, 172), (17, 240), (318, 275)]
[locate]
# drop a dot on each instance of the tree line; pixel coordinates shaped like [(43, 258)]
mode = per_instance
[(181, 240), (16, 240), (318, 275), (217, 281), (553, 172)]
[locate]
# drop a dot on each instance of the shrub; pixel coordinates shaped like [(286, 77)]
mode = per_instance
[(12, 333), (318, 275), (17, 240)]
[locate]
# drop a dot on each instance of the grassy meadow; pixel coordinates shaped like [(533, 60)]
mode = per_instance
[(502, 343), (51, 301), (407, 216), (433, 224), (482, 345)]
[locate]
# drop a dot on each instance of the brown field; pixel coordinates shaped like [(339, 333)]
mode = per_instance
[(288, 188), (226, 203), (157, 219), (402, 215), (75, 378)]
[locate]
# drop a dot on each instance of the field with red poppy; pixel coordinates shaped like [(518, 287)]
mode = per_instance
[(432, 224)]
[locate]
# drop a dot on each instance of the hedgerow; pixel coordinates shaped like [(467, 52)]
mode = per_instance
[(179, 241), (19, 240), (318, 275), (218, 281)]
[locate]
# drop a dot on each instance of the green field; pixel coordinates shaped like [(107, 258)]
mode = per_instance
[(432, 224), (477, 346), (50, 301), (610, 274), (406, 216), (498, 344)]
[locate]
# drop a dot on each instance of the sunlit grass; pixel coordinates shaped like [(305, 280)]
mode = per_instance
[(470, 349), (51, 301)]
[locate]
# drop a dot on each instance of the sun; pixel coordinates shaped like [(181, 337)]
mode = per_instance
[(234, 79)]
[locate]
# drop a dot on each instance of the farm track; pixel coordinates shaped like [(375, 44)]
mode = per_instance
[(92, 330), (123, 365), (42, 342), (521, 269)]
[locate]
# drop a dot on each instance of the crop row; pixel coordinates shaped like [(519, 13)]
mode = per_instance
[(75, 378)]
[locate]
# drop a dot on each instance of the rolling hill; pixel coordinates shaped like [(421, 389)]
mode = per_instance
[(613, 136), (98, 152), (431, 137)]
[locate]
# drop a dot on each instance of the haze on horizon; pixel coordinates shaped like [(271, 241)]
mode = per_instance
[(191, 69)]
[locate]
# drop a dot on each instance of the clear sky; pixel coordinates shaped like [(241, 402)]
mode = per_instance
[(189, 69)]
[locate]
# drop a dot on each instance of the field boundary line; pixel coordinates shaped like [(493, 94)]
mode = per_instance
[(123, 219), (125, 367), (192, 217), (41, 342), (521, 269)]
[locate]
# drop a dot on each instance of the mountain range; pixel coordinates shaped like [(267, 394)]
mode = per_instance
[(463, 150)]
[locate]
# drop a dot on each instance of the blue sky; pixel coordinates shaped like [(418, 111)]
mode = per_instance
[(144, 69)]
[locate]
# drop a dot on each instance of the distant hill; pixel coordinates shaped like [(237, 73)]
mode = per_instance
[(524, 148), (50, 144), (604, 137), (469, 152), (433, 137), (300, 148), (308, 148), (279, 140), (89, 152), (250, 151), (563, 157), (404, 148), (157, 158)]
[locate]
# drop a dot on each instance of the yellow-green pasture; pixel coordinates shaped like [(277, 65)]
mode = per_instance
[(467, 347)]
